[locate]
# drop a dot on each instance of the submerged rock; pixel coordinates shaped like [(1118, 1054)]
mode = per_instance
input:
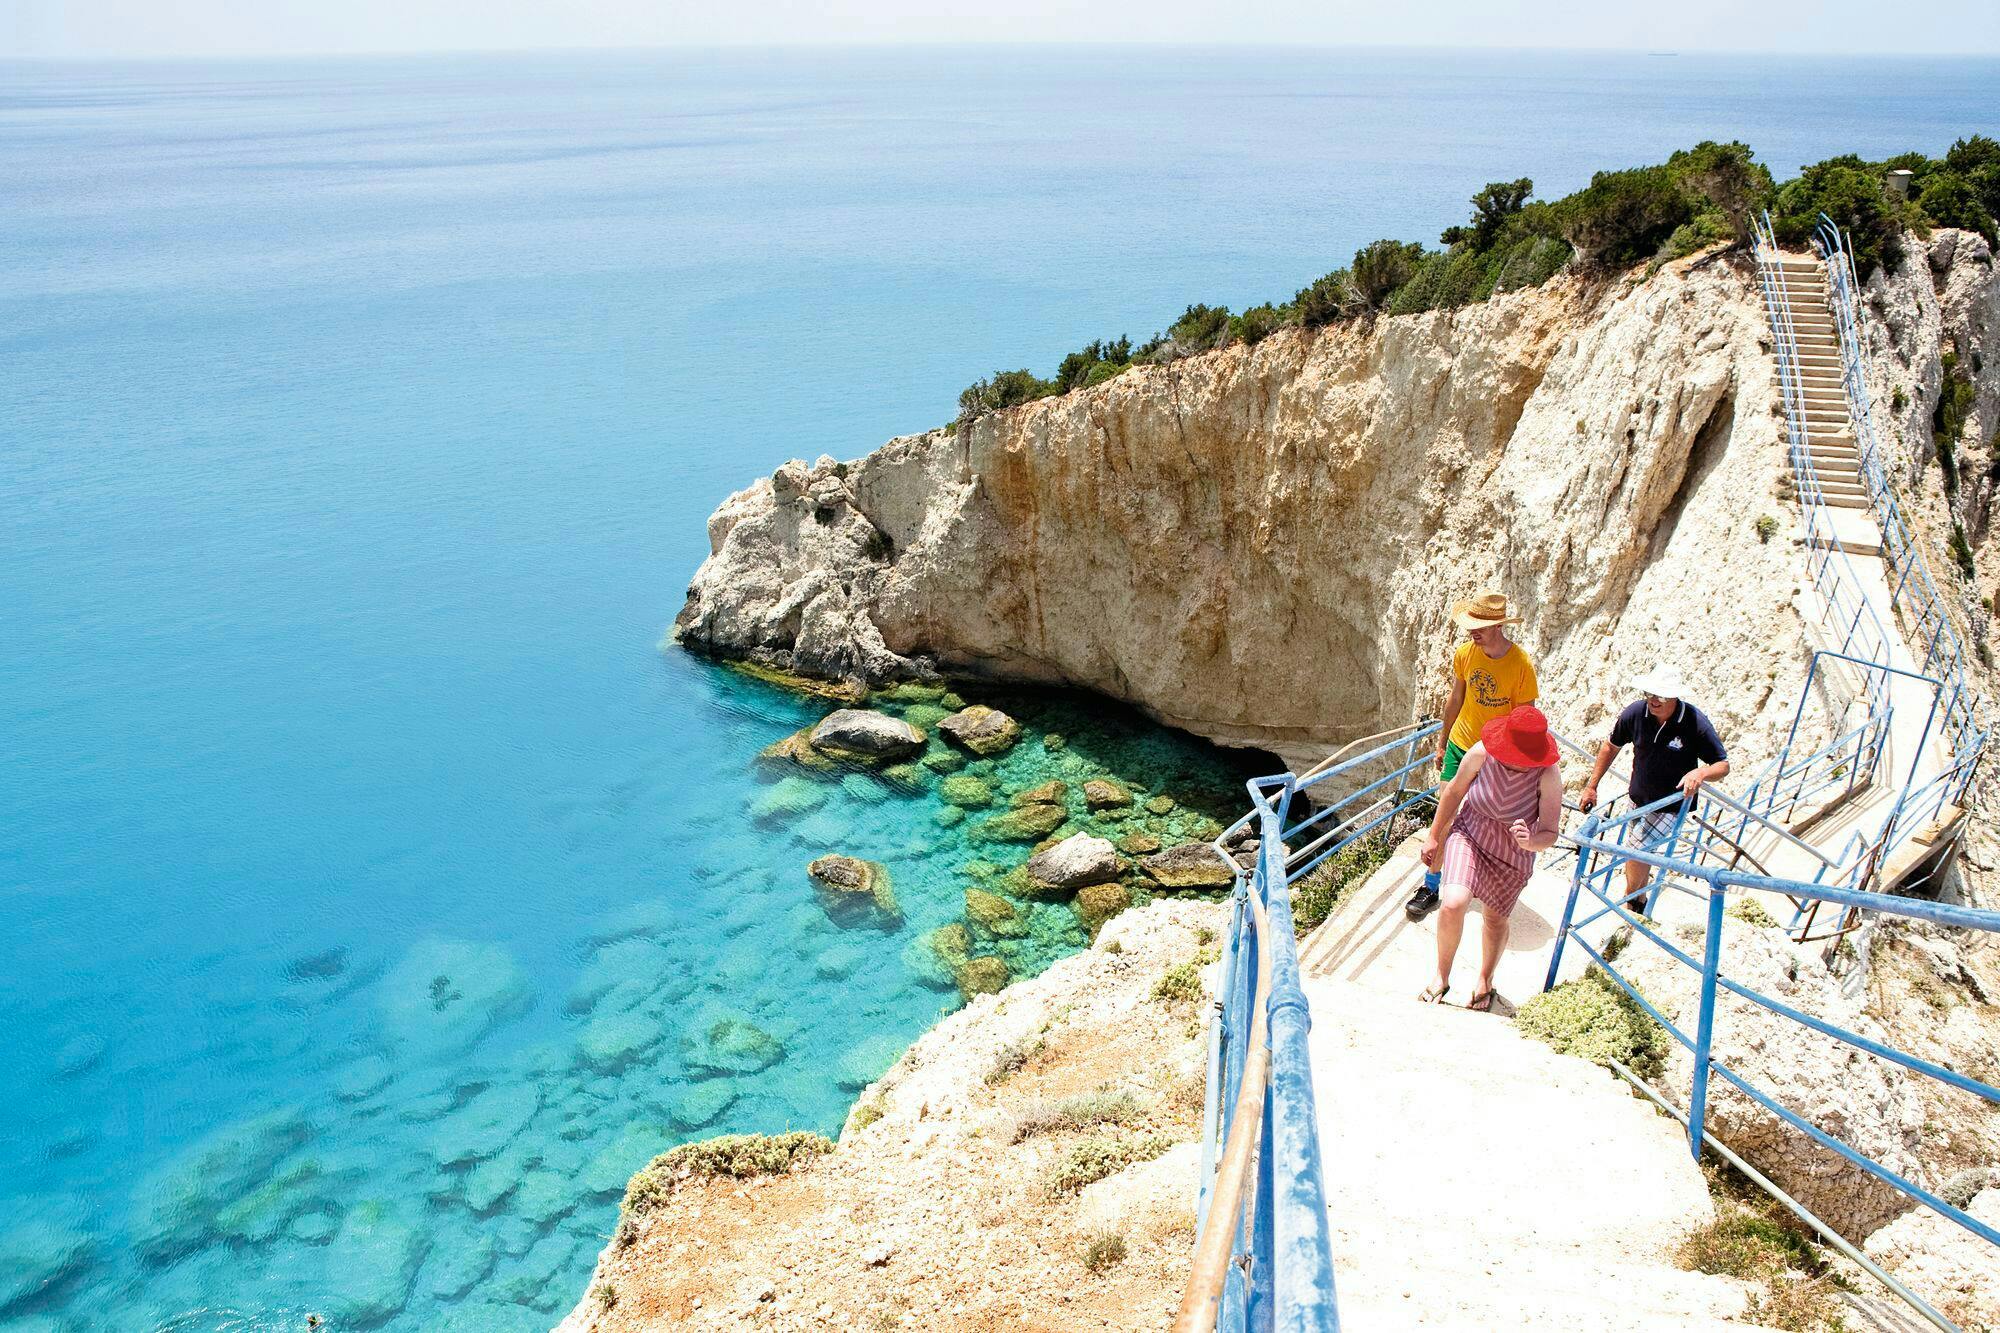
[(1138, 844), (460, 1265), (174, 1209), (859, 733), (617, 1161), (981, 976), (966, 791), (982, 730), (486, 1124), (909, 779), (79, 1055), (1192, 865), (994, 914), (1104, 794), (1052, 792), (853, 890), (443, 998), (1073, 863), (1030, 824), (363, 1079), (1160, 805), (796, 750), (948, 816), (372, 1264), (867, 1062), (728, 1043), (1096, 904), (612, 1041), (49, 1246), (788, 799), (944, 761), (630, 962), (702, 1105)]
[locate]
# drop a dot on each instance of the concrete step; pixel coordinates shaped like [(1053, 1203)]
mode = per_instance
[(1434, 1228)]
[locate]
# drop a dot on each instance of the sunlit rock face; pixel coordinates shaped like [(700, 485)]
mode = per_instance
[(1260, 545)]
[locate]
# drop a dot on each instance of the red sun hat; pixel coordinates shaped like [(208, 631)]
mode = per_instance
[(1520, 739)]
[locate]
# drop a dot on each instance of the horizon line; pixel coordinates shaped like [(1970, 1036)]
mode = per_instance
[(1661, 53)]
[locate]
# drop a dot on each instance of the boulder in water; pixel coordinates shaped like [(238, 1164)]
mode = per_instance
[(1192, 865), (1104, 794), (1073, 863), (981, 976), (982, 730), (1096, 904), (48, 1246), (1052, 792), (860, 733), (994, 914), (854, 891), (174, 1209), (788, 799), (376, 1255), (966, 791), (1028, 824)]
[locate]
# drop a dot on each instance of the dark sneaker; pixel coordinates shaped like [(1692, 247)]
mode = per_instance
[(1422, 903)]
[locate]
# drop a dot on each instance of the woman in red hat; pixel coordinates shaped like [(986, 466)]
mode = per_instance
[(1503, 806)]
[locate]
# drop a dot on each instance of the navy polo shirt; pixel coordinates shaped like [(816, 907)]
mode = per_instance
[(1665, 752)]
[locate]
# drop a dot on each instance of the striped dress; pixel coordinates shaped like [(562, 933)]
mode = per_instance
[(1479, 852)]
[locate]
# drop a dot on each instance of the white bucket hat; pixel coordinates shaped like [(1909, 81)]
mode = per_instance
[(1663, 681)]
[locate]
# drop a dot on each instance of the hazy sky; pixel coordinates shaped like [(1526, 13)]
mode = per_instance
[(256, 27)]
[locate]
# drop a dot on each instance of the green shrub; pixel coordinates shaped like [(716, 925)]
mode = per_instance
[(1380, 267), (1257, 323), (1179, 983), (1949, 200), (1079, 367), (1200, 328), (1730, 180), (1529, 262), (1767, 528), (1316, 894), (1961, 549), (1102, 1250), (1443, 281), (1007, 388), (1850, 192), (1744, 1244), (1102, 371), (736, 1155), (1012, 1059), (1751, 912), (1094, 1159), (1327, 299), (1624, 215), (1594, 1018), (1492, 207), (1073, 1113)]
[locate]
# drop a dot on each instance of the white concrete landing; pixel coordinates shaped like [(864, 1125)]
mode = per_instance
[(1477, 1180)]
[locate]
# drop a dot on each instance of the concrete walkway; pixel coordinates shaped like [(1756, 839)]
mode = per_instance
[(1476, 1179)]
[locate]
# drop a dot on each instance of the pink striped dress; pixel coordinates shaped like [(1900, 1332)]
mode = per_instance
[(1479, 852)]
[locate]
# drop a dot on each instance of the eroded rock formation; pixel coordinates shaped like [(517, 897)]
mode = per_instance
[(1260, 544)]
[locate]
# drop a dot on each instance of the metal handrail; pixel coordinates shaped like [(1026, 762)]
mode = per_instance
[(1203, 1297), (1596, 841)]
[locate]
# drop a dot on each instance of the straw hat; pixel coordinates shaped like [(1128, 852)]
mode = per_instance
[(1520, 739), (1663, 682), (1478, 612)]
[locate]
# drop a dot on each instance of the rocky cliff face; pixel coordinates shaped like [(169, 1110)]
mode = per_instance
[(1260, 545)]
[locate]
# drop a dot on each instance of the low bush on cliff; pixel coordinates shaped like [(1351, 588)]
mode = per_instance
[(1094, 1159), (735, 1155), (1701, 196), (1594, 1018), (1317, 894)]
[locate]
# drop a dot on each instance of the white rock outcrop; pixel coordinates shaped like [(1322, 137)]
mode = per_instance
[(1260, 545)]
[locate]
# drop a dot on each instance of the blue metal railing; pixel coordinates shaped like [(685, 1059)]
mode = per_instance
[(1279, 1270), (1835, 767), (1605, 845)]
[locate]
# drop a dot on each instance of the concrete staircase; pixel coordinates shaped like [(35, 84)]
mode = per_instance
[(1830, 439), (1475, 1178)]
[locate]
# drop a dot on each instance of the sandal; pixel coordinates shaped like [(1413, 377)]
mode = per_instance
[(1432, 994), (1482, 1003)]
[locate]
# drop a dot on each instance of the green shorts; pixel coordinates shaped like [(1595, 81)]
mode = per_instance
[(1452, 754)]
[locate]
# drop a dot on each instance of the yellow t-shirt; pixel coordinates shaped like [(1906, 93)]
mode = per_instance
[(1494, 687)]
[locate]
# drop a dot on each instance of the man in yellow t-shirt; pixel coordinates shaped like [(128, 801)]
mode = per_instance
[(1490, 677)]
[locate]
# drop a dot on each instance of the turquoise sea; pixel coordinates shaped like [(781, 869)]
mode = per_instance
[(377, 893)]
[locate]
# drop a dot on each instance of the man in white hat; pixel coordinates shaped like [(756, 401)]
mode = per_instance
[(1674, 747), (1490, 677)]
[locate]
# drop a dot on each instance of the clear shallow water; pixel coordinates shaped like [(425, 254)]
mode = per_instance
[(358, 421)]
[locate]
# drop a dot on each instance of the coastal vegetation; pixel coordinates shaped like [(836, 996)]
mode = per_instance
[(1699, 197), (1594, 1018)]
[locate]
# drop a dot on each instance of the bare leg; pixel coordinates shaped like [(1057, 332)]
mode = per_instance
[(1636, 875), (1451, 926), (1493, 942)]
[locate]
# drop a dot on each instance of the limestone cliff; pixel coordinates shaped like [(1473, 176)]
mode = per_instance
[(1259, 545)]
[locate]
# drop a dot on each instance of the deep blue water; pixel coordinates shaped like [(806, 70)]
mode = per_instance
[(358, 422)]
